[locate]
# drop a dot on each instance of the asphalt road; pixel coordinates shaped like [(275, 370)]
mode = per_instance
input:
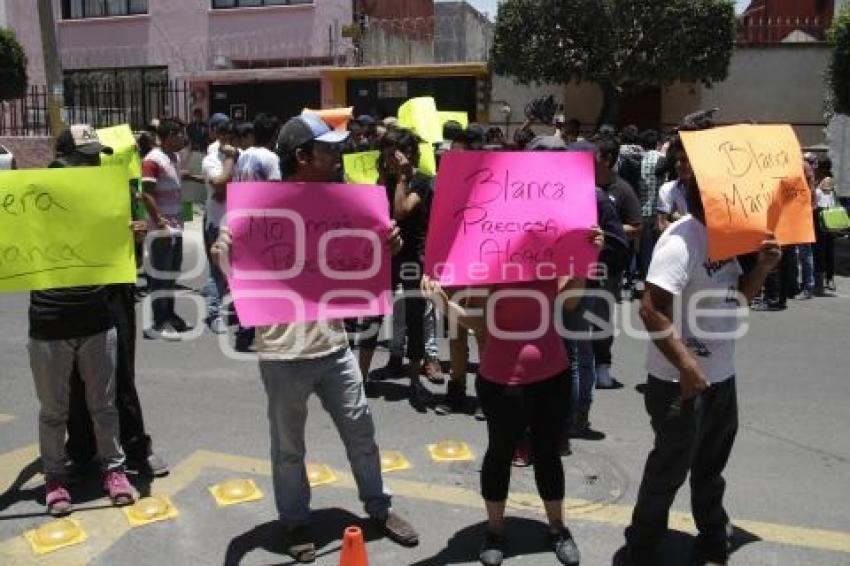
[(788, 479)]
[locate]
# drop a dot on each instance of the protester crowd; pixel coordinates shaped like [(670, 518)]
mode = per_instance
[(534, 393)]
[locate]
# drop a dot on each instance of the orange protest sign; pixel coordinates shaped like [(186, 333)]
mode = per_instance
[(336, 118), (751, 181)]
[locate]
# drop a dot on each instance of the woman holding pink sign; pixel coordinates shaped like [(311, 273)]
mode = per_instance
[(523, 386)]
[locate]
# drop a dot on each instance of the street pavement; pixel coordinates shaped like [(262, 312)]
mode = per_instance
[(788, 478)]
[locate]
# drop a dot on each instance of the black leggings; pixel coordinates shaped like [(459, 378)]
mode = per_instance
[(539, 408)]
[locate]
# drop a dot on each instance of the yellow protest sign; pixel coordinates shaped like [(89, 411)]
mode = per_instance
[(361, 168), (421, 116), (123, 143), (64, 228), (461, 118), (751, 181), (427, 159)]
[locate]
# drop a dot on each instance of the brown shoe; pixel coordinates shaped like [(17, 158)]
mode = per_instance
[(433, 372), (397, 529)]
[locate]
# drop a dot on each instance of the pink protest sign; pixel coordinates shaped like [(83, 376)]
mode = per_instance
[(501, 217), (308, 251)]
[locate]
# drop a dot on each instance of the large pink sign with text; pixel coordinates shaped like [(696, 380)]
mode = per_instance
[(308, 251), (502, 217)]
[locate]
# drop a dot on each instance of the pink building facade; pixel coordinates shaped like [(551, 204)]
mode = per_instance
[(201, 41)]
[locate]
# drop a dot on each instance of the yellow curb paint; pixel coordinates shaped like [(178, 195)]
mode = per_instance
[(5, 418), (150, 510), (320, 474), (581, 510), (11, 464), (231, 492), (392, 461), (450, 451)]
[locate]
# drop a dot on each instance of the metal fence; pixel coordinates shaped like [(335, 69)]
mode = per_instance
[(760, 30), (100, 104)]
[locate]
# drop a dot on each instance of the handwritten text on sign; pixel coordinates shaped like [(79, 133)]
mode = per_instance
[(751, 181), (502, 217), (65, 228), (308, 251)]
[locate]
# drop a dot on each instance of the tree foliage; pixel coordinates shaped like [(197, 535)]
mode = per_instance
[(621, 45), (839, 70), (13, 66)]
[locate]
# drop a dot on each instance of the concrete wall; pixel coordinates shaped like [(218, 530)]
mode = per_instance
[(383, 47), (771, 84), (776, 83), (462, 34), (185, 36)]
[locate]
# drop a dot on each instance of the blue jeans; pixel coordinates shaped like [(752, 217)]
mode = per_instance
[(580, 352), (166, 256), (215, 287), (337, 382), (807, 264)]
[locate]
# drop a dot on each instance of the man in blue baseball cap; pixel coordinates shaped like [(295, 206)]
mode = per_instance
[(299, 359)]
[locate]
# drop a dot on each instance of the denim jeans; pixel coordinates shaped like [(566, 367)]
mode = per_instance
[(52, 362), (580, 351), (807, 266), (215, 287), (167, 258), (337, 382)]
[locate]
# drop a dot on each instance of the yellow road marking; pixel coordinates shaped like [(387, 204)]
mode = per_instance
[(5, 418), (11, 464), (106, 526)]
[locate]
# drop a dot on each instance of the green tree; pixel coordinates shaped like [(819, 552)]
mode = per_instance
[(13, 66), (839, 70), (621, 45)]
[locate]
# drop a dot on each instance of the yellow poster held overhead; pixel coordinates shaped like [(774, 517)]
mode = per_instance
[(461, 118), (123, 144), (65, 228), (751, 181), (421, 116), (427, 159), (361, 168)]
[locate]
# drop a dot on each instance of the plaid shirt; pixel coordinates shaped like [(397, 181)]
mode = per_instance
[(649, 183)]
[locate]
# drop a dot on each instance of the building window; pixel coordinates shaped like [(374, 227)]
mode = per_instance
[(223, 4), (80, 9)]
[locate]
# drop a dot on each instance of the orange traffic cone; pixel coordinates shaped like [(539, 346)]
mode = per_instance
[(353, 548)]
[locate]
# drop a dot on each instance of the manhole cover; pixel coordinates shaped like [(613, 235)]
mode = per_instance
[(592, 481)]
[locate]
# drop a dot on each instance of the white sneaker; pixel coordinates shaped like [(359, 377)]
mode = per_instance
[(166, 333), (218, 326)]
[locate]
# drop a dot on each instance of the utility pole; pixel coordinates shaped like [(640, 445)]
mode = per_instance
[(52, 66)]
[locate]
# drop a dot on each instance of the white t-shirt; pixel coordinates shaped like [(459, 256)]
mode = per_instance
[(212, 167), (213, 148), (257, 164), (164, 170), (703, 291), (672, 198)]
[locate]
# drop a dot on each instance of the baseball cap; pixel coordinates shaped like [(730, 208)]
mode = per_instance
[(217, 120), (366, 120), (80, 138), (306, 128)]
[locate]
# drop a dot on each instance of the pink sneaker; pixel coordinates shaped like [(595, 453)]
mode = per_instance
[(118, 487), (58, 499)]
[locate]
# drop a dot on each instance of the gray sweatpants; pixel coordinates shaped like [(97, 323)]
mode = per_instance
[(336, 380), (52, 362)]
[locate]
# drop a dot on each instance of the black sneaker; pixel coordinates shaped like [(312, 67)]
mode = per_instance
[(397, 529), (179, 324), (418, 397), (454, 400), (565, 547), (393, 370), (493, 550), (152, 466), (298, 543)]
